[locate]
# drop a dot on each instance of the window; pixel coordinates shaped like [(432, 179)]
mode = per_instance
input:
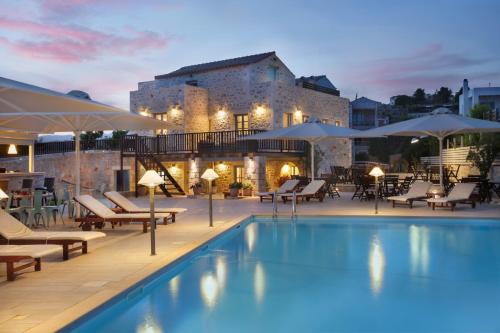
[(272, 73), (337, 122), (162, 117), (241, 122), (239, 174), (305, 119), (287, 119)]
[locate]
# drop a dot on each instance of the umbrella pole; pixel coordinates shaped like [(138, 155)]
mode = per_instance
[(440, 139), (312, 160), (77, 169)]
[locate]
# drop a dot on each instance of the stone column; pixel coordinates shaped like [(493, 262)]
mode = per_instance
[(258, 175), (193, 172)]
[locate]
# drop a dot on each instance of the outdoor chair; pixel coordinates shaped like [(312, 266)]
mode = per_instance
[(461, 193), (11, 254), (67, 202), (128, 206), (417, 191), (98, 214), (313, 190), (390, 186), (286, 187), (19, 212), (331, 187), (37, 211), (405, 185), (13, 232)]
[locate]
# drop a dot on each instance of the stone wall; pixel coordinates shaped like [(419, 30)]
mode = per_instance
[(97, 167), (273, 170)]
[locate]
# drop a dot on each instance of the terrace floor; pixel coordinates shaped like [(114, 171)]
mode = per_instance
[(47, 300)]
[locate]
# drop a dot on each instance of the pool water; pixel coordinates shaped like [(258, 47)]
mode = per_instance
[(322, 275)]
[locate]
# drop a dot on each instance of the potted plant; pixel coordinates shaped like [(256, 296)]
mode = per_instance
[(247, 189), (234, 189), (196, 187)]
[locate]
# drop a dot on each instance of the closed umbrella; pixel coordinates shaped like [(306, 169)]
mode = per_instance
[(439, 124), (312, 131)]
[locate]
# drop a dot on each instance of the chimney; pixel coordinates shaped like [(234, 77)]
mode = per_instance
[(465, 99)]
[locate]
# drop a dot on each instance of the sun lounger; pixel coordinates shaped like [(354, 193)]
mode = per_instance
[(13, 232), (461, 193), (128, 206), (312, 190), (11, 254), (100, 214), (417, 191), (286, 187)]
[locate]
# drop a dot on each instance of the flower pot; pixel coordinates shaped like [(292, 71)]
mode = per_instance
[(233, 192), (247, 192)]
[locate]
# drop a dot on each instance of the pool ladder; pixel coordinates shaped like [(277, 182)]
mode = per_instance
[(275, 205)]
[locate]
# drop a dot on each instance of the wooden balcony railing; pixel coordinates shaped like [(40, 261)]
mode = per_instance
[(208, 142)]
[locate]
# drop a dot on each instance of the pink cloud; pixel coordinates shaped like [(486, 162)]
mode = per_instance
[(73, 43)]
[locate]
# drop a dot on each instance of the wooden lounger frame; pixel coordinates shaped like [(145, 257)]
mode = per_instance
[(408, 202), (65, 243), (453, 203), (11, 260), (86, 222), (120, 209), (320, 195)]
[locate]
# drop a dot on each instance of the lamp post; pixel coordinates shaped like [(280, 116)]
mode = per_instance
[(151, 179), (376, 172), (210, 175)]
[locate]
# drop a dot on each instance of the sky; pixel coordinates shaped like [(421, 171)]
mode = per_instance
[(372, 48)]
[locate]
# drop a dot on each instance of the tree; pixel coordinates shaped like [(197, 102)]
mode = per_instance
[(442, 96), (403, 100), (419, 96), (486, 146), (117, 135), (456, 98), (91, 135)]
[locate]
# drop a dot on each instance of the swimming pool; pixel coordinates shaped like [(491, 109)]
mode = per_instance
[(347, 274)]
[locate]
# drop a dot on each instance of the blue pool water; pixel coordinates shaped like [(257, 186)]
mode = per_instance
[(322, 275)]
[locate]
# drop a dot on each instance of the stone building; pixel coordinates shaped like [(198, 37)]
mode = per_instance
[(208, 106)]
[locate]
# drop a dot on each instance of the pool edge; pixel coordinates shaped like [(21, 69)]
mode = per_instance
[(85, 307)]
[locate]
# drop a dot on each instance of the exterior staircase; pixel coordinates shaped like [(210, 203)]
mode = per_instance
[(171, 187)]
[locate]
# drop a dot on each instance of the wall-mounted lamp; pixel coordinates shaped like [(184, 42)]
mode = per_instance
[(12, 150)]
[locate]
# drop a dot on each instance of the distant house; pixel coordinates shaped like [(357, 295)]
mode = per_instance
[(481, 95), (364, 115), (209, 105)]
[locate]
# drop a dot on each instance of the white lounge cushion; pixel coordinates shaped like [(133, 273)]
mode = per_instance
[(461, 192), (33, 251), (130, 206), (287, 186), (312, 188), (416, 191), (11, 228)]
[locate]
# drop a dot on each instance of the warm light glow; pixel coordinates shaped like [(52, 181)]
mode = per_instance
[(221, 113), (298, 116), (376, 266), (376, 172), (221, 272), (260, 110), (209, 289), (176, 109), (209, 174), (174, 169), (3, 195), (419, 249), (12, 150), (250, 236), (289, 169), (149, 326), (173, 286), (259, 282), (285, 170), (221, 166), (151, 179)]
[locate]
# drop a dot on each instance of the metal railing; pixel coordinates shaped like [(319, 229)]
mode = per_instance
[(56, 147)]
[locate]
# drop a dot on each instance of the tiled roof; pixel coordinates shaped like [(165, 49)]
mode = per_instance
[(364, 103), (210, 66)]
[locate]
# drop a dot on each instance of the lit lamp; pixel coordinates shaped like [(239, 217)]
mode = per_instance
[(210, 175), (3, 195), (376, 172), (152, 179), (12, 150)]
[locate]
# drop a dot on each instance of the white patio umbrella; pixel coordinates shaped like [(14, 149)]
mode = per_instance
[(312, 131), (25, 107), (77, 122), (438, 124)]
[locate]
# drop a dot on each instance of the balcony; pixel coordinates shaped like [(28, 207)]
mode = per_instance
[(208, 143)]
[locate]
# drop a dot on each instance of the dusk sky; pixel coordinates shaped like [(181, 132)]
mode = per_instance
[(373, 48)]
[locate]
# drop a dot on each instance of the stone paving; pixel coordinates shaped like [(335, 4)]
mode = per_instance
[(47, 300)]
